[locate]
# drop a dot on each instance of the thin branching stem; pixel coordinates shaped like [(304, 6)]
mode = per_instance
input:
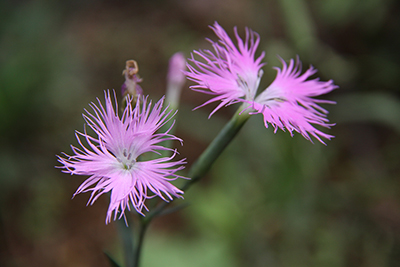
[(196, 172), (208, 157)]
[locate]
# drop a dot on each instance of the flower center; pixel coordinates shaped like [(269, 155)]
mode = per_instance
[(127, 160), (249, 84)]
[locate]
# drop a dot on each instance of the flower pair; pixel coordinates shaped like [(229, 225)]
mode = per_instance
[(113, 159), (232, 73)]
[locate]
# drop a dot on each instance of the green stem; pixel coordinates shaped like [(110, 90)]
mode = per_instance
[(127, 241), (216, 147), (166, 127), (198, 170), (143, 227), (208, 157)]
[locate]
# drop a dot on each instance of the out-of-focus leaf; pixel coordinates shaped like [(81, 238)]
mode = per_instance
[(300, 26), (367, 107), (113, 263), (174, 209)]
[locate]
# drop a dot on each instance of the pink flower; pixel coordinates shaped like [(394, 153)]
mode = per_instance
[(229, 74), (288, 103), (232, 74), (113, 158)]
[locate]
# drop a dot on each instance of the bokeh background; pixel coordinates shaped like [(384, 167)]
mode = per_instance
[(269, 200)]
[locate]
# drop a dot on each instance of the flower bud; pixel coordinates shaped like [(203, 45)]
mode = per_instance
[(175, 79)]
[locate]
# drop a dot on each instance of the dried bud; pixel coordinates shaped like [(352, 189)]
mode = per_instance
[(131, 86)]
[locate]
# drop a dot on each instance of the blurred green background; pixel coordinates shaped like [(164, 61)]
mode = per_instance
[(269, 200)]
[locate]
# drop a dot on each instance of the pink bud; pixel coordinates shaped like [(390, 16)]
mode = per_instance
[(175, 78)]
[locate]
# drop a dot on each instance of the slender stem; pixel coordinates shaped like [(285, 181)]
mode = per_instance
[(166, 127), (208, 157), (198, 169), (127, 241), (143, 227), (216, 147)]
